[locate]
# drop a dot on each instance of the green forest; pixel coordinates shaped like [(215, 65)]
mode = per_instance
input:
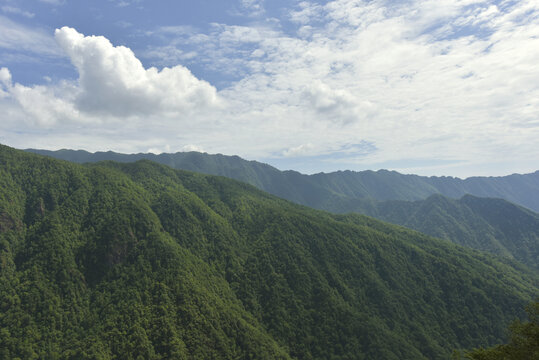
[(489, 220), (141, 261), (340, 191), (523, 341), (487, 224)]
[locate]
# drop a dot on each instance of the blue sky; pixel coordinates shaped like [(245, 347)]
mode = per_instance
[(434, 87)]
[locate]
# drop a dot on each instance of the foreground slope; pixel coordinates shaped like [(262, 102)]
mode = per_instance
[(88, 272), (112, 260), (331, 191)]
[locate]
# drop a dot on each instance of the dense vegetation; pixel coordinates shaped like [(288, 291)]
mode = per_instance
[(492, 225), (115, 261), (523, 341), (332, 191), (485, 224)]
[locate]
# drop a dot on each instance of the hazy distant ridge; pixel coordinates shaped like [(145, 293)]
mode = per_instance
[(331, 191)]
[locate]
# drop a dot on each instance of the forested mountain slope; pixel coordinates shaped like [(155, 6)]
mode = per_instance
[(369, 192), (331, 191), (492, 225), (289, 185), (118, 260)]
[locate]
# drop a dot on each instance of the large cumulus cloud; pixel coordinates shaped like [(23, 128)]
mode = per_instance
[(112, 85), (113, 81)]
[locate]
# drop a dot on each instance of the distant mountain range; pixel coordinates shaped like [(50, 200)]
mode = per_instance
[(331, 191), (418, 202), (119, 261)]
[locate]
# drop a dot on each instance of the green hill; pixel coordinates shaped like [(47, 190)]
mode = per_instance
[(115, 261), (331, 191), (407, 200), (492, 225)]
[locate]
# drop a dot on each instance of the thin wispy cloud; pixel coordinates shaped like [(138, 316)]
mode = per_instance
[(53, 2), (17, 37), (17, 11), (249, 8)]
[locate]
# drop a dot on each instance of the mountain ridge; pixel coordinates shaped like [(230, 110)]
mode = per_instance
[(380, 185), (344, 191)]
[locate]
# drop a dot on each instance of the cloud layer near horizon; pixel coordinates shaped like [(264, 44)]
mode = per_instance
[(450, 82)]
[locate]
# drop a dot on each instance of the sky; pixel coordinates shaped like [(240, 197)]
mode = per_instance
[(431, 87)]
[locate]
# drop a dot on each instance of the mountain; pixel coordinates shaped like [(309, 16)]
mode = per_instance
[(114, 260), (330, 191), (289, 185), (390, 185), (492, 225), (387, 195)]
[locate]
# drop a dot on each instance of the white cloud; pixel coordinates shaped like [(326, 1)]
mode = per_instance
[(253, 7), (173, 30), (162, 149), (301, 150), (307, 12), (17, 11), (5, 77), (258, 53), (337, 105), (5, 82), (17, 37), (39, 103), (452, 79), (113, 86), (239, 34), (43, 107), (53, 2), (112, 80), (124, 24), (169, 54), (447, 80), (121, 3), (192, 147)]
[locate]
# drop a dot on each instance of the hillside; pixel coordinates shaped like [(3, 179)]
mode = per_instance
[(492, 225), (408, 200), (112, 260), (289, 185)]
